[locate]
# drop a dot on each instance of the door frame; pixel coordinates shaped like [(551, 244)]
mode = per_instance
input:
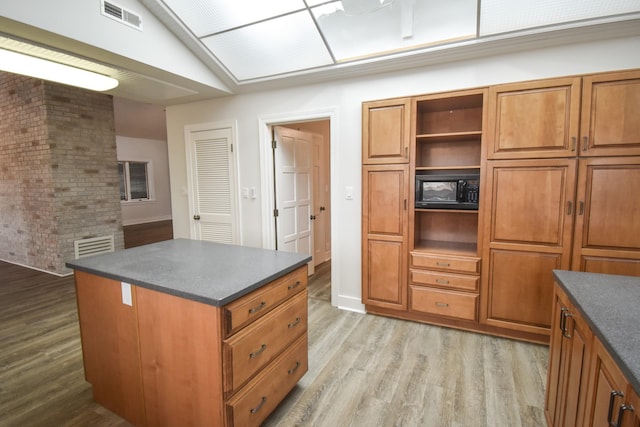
[(265, 122)]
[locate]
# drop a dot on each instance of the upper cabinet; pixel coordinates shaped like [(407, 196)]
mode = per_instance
[(556, 118), (386, 129), (538, 119), (610, 105)]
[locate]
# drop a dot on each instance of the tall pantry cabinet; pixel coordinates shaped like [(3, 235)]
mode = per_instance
[(561, 172), (385, 198)]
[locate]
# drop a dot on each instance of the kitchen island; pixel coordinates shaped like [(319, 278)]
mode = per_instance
[(187, 332), (594, 359)]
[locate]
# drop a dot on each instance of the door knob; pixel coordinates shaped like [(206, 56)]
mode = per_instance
[(196, 217), (322, 208), (313, 217)]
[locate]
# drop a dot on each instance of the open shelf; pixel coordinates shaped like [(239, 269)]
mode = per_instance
[(449, 248), (449, 136), (449, 115), (446, 231), (448, 153)]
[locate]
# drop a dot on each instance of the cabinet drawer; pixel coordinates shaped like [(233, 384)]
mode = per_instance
[(260, 397), (446, 263), (254, 305), (252, 348), (444, 303), (445, 280)]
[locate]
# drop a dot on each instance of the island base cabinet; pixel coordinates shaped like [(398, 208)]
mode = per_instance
[(158, 359)]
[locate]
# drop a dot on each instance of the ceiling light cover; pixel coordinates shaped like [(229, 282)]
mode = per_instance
[(358, 28), (289, 43), (206, 17), (39, 68)]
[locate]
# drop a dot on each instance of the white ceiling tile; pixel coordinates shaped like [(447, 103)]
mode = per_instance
[(501, 16), (286, 44), (206, 17)]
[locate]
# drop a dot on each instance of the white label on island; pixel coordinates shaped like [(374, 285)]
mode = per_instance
[(126, 293)]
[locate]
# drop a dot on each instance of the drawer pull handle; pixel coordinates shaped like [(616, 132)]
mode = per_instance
[(295, 285), (295, 368), (258, 308), (442, 281), (442, 304), (623, 408), (257, 353), (443, 264), (612, 399), (257, 408), (294, 323)]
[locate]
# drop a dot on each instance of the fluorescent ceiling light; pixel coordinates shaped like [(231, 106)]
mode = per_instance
[(39, 68)]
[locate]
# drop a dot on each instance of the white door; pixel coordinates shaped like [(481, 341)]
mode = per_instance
[(293, 191), (213, 196)]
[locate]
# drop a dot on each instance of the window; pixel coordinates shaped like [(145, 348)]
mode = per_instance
[(134, 180)]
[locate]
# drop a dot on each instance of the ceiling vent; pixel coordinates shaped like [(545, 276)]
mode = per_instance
[(122, 15)]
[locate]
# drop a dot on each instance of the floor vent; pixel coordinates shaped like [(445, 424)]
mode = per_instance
[(93, 246), (122, 15)]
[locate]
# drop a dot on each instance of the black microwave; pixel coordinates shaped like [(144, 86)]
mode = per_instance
[(447, 191)]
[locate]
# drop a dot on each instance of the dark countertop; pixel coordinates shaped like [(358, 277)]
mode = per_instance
[(611, 306), (211, 273)]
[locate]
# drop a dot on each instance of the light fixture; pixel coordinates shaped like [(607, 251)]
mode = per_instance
[(39, 68)]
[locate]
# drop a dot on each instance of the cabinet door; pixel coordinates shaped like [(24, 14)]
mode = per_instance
[(607, 387), (569, 358), (607, 236), (528, 234), (384, 233), (610, 110), (386, 128), (538, 119)]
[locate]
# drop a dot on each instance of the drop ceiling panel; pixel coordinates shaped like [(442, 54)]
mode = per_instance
[(500, 16), (358, 28), (206, 17), (286, 44)]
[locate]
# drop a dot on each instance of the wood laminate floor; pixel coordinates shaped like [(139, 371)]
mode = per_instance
[(364, 370)]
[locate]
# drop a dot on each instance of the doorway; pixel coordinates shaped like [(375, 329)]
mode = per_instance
[(318, 130)]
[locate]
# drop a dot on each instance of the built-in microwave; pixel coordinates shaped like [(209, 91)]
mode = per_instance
[(447, 191)]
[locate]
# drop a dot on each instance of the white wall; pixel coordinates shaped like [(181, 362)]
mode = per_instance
[(346, 97), (154, 151)]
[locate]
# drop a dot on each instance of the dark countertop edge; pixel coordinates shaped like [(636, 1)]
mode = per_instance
[(624, 368), (199, 298)]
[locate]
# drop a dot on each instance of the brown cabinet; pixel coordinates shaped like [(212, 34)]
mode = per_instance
[(568, 365), (530, 200), (384, 235), (386, 126), (607, 236), (528, 234), (167, 360), (609, 123), (537, 119), (608, 399), (585, 386)]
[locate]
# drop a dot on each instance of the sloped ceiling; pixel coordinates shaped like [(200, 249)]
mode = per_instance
[(187, 50)]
